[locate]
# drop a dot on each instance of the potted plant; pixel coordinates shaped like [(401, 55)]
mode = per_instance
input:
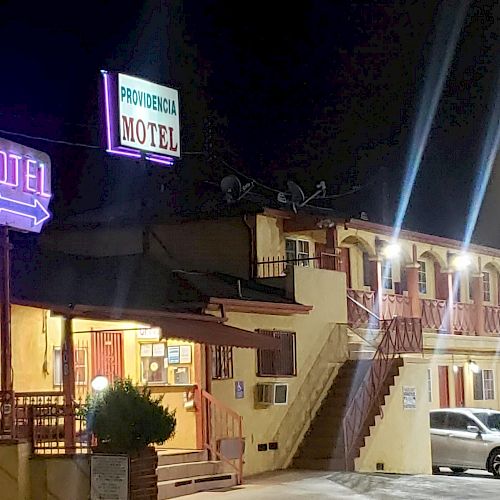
[(126, 419)]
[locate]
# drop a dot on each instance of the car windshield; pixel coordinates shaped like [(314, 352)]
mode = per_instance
[(490, 420)]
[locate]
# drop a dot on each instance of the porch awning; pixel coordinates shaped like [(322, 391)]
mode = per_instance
[(211, 332)]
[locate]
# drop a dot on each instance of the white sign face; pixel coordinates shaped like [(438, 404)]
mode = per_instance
[(109, 477), (149, 116), (409, 398), (25, 189), (148, 333)]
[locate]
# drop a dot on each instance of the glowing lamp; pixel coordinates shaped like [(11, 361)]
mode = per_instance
[(99, 383), (391, 250), (455, 368), (474, 367), (462, 261)]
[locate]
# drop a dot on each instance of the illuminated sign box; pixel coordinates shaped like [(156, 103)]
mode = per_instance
[(25, 187), (142, 118)]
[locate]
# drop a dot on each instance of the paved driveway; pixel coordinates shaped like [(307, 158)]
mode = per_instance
[(315, 485)]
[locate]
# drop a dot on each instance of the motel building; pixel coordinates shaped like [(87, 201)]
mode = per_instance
[(282, 340)]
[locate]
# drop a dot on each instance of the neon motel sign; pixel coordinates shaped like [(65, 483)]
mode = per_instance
[(25, 189), (142, 118)]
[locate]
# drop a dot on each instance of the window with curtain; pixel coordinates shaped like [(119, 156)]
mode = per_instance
[(422, 277), (387, 282)]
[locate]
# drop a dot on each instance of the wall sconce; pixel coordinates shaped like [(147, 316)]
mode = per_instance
[(461, 261), (455, 369), (474, 367)]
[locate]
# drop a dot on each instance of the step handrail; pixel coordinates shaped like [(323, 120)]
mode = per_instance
[(359, 304), (402, 335), (221, 422)]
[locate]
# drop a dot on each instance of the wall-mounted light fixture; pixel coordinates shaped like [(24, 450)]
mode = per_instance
[(461, 261), (474, 367), (391, 250), (99, 383)]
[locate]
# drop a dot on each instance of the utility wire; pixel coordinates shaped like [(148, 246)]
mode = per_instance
[(46, 139)]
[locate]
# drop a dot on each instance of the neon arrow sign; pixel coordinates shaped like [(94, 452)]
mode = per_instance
[(25, 190)]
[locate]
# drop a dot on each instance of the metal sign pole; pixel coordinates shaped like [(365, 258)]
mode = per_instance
[(5, 336)]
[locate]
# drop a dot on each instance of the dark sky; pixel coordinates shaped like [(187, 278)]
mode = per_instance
[(321, 90)]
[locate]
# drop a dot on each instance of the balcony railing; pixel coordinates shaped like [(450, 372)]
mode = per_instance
[(492, 319), (274, 267), (433, 314)]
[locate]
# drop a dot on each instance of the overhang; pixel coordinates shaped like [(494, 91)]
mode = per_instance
[(204, 329)]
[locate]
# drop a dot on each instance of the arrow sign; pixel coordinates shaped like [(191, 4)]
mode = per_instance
[(35, 211)]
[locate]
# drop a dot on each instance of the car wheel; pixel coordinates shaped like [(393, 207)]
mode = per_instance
[(457, 470), (435, 470), (493, 464)]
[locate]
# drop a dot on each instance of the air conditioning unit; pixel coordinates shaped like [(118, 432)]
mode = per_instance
[(272, 393)]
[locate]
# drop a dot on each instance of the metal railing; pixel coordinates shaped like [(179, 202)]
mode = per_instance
[(360, 306), (274, 267), (463, 317), (434, 314), (222, 431), (402, 335), (492, 319), (45, 420)]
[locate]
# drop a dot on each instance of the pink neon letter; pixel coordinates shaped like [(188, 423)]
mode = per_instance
[(28, 175), (41, 176), (15, 170), (3, 170)]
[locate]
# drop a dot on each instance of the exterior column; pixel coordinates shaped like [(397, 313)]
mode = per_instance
[(376, 284), (68, 377), (477, 298), (413, 290), (450, 301), (200, 383)]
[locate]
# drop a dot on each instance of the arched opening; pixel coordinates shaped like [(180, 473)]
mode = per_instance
[(355, 262)]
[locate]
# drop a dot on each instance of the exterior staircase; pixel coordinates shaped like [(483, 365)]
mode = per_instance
[(323, 446), (189, 472)]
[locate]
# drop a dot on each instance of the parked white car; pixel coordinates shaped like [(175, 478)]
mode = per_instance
[(465, 438)]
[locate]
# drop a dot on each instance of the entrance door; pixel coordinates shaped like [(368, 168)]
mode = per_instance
[(444, 389), (459, 388), (107, 354), (345, 264)]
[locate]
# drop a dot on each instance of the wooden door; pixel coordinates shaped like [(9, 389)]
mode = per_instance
[(444, 388), (107, 354), (459, 388), (441, 282), (345, 265)]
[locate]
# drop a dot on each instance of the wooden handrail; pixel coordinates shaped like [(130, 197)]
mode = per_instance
[(220, 404)]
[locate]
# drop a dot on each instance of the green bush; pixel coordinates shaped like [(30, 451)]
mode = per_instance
[(126, 418)]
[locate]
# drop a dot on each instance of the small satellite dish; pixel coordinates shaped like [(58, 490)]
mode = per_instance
[(298, 195), (281, 197), (232, 188)]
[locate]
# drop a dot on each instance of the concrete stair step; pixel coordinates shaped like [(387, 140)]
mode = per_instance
[(189, 469), (186, 486), (168, 458)]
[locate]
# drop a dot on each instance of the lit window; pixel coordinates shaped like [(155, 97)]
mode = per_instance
[(297, 251), (387, 274), (153, 366), (484, 385), (422, 277), (80, 366), (486, 287)]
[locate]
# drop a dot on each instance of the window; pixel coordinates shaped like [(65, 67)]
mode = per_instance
[(438, 420), (297, 250), (422, 277), (279, 362), (429, 385), (459, 422), (80, 366), (222, 362), (367, 270), (387, 275), (486, 287), (153, 366), (484, 386)]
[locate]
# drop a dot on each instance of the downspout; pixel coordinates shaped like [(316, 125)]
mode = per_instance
[(252, 264)]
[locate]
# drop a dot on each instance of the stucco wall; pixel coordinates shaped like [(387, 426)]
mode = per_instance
[(401, 439), (14, 471), (321, 349)]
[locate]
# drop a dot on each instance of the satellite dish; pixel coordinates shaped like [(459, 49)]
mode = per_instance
[(232, 188), (298, 196)]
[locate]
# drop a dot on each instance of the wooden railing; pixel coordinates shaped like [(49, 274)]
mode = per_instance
[(492, 319), (222, 431), (402, 335), (274, 267)]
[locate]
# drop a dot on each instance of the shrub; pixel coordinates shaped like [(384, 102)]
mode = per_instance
[(126, 418)]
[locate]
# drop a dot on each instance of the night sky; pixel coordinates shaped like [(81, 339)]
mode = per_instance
[(318, 91)]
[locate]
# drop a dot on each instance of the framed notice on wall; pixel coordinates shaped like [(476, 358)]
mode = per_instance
[(109, 477), (409, 398), (174, 354)]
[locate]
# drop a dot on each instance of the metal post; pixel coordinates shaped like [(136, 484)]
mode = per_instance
[(5, 341), (68, 376)]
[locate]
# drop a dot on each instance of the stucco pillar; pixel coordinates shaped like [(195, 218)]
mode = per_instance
[(477, 298), (376, 283), (413, 290), (68, 378), (450, 301)]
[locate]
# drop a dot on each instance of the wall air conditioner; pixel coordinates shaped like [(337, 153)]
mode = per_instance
[(272, 393)]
